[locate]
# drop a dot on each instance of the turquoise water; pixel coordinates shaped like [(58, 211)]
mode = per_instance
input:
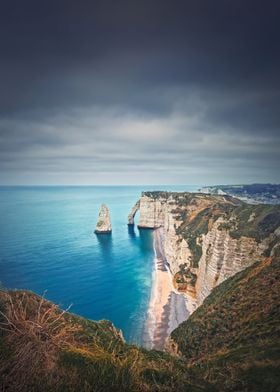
[(47, 243)]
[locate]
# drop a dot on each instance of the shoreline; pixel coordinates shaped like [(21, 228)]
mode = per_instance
[(167, 308)]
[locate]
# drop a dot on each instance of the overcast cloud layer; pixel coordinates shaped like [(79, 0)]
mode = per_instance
[(131, 92)]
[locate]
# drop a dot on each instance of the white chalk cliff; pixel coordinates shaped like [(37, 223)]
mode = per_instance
[(209, 238), (103, 225)]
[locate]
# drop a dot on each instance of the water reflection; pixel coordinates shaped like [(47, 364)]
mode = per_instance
[(131, 231), (105, 242), (146, 239)]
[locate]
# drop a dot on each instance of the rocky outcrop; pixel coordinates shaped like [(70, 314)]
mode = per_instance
[(103, 225), (208, 238)]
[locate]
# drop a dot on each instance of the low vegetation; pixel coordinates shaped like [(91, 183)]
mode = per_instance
[(233, 339), (256, 221), (43, 348), (185, 279), (230, 343)]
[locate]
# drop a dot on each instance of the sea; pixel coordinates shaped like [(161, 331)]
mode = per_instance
[(48, 245)]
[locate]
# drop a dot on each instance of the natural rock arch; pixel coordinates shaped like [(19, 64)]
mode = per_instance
[(132, 213)]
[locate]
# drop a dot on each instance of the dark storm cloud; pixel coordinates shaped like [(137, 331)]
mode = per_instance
[(186, 88)]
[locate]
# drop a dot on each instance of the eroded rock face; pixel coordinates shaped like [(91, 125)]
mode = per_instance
[(103, 225), (176, 249), (222, 257), (209, 238)]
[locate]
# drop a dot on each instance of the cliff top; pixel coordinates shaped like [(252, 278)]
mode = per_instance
[(185, 197)]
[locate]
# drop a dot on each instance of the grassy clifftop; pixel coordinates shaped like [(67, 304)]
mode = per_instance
[(230, 343), (233, 339), (43, 348)]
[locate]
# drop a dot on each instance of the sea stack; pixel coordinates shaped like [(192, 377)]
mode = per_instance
[(103, 225)]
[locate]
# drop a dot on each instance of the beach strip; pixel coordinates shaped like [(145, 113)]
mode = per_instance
[(167, 309)]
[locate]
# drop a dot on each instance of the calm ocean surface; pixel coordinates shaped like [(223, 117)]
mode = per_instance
[(47, 243)]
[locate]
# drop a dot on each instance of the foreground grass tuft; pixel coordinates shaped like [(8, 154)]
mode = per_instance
[(46, 349)]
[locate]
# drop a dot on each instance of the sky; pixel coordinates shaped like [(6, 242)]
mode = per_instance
[(139, 92)]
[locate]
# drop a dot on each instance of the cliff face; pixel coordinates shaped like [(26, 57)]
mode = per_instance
[(224, 256), (152, 211), (208, 238)]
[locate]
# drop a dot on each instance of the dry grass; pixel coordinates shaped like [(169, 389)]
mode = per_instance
[(34, 329), (43, 348)]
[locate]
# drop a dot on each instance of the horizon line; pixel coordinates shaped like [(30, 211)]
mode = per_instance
[(134, 185)]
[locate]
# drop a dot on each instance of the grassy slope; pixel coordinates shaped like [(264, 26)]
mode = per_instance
[(232, 340), (230, 343), (43, 349)]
